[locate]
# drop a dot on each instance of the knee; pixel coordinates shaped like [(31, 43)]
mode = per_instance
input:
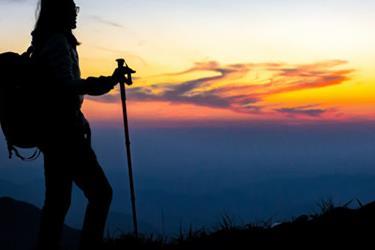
[(103, 196)]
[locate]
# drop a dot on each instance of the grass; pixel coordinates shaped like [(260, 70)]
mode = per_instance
[(332, 225)]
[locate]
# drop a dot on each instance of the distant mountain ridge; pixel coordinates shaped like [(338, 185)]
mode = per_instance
[(252, 201), (19, 226)]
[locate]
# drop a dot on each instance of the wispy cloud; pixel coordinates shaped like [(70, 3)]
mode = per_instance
[(107, 22), (124, 53), (308, 110), (13, 1), (244, 87)]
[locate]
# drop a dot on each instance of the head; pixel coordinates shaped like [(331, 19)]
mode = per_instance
[(56, 16)]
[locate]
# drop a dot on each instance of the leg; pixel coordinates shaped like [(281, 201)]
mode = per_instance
[(58, 185), (90, 177)]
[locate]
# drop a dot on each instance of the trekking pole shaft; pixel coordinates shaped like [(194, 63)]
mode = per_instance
[(128, 153)]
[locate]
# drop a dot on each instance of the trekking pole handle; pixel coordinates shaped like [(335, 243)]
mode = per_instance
[(125, 70)]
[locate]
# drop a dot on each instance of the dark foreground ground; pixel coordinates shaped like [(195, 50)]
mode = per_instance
[(333, 228)]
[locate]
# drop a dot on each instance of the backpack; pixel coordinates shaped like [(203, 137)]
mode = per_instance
[(19, 102)]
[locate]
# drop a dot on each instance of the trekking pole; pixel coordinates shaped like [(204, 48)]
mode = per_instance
[(128, 80)]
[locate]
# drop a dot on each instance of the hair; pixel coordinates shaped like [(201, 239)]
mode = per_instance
[(52, 18)]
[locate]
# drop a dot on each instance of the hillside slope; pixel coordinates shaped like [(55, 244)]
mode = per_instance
[(19, 226)]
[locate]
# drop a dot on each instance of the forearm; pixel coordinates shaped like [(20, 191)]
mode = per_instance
[(90, 86)]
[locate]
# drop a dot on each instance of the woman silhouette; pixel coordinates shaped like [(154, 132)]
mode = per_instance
[(66, 146)]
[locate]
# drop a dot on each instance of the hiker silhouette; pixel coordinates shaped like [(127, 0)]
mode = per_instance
[(66, 138)]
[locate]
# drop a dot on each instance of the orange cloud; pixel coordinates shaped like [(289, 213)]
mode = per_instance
[(243, 88)]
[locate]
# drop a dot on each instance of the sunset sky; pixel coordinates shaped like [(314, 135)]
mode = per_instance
[(258, 108), (220, 60)]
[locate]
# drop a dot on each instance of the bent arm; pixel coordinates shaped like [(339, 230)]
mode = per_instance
[(62, 64)]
